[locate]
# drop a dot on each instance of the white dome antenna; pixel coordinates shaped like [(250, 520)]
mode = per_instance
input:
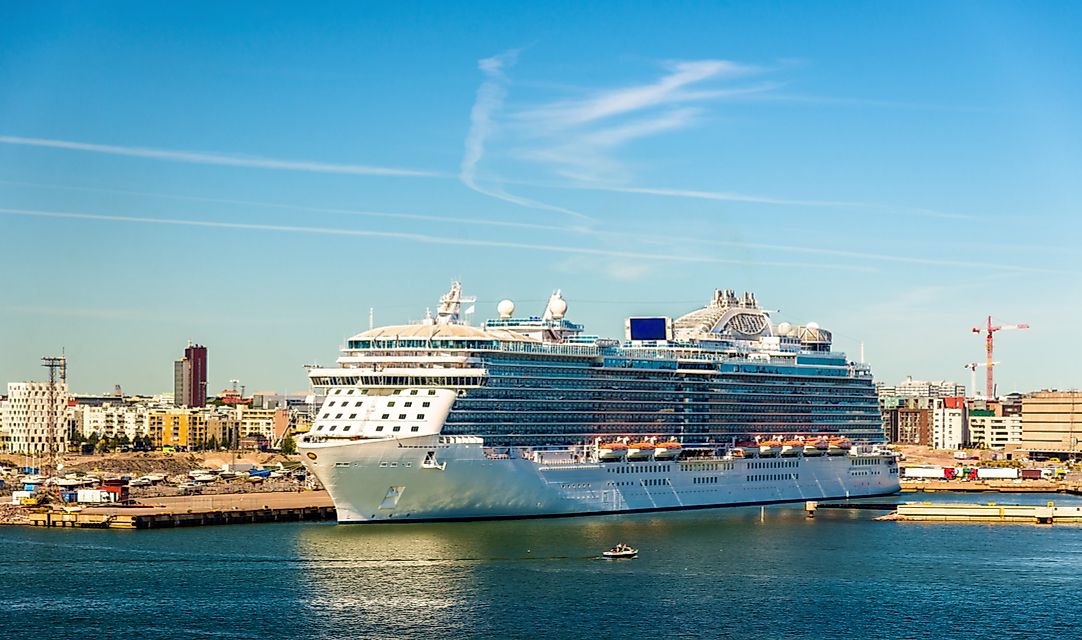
[(506, 309), (557, 307)]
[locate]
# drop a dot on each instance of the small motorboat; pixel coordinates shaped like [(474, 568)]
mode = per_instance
[(619, 551)]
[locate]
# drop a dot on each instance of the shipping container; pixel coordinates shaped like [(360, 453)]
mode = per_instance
[(997, 474), (933, 473), (1031, 474), (95, 496), (17, 496)]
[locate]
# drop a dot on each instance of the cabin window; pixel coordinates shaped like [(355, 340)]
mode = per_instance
[(415, 428), (379, 428), (386, 415), (397, 429)]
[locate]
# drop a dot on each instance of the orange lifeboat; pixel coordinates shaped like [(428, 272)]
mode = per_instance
[(667, 450), (611, 450), (838, 446), (769, 447), (815, 447), (640, 450), (791, 447)]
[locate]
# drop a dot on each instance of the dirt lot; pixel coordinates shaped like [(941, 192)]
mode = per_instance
[(138, 464)]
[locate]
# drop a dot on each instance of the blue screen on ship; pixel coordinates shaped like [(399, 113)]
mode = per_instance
[(648, 329)]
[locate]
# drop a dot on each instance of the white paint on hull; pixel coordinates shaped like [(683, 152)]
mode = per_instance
[(430, 477)]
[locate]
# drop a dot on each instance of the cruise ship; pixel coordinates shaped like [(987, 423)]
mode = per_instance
[(531, 417)]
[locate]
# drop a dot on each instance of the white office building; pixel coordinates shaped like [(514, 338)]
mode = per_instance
[(28, 414)]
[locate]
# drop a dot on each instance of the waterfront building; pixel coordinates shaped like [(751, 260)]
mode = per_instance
[(1052, 424), (995, 424), (269, 423), (990, 431), (910, 388), (178, 427), (190, 377), (950, 427), (3, 424), (112, 420), (28, 413), (907, 420)]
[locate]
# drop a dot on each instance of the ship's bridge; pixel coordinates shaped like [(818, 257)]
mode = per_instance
[(427, 336)]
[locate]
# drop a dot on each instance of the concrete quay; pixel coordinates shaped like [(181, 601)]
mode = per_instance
[(988, 513), (993, 486), (189, 511)]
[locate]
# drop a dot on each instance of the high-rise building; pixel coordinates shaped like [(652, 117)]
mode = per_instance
[(190, 377), (32, 414), (1052, 425)]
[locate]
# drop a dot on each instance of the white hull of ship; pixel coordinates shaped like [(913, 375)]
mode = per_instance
[(456, 478)]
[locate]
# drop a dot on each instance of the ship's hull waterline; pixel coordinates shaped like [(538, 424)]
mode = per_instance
[(433, 478)]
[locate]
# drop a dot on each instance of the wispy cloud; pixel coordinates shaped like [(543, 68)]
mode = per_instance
[(390, 215), (729, 196), (624, 237), (578, 137), (671, 88), (194, 157), (489, 101), (422, 238)]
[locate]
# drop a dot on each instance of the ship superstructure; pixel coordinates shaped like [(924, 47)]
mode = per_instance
[(531, 417)]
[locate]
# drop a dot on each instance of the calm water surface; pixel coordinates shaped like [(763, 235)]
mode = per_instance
[(718, 573)]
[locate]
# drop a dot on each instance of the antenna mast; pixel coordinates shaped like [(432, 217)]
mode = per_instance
[(58, 369)]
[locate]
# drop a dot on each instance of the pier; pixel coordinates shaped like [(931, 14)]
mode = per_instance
[(991, 512), (193, 511), (971, 486)]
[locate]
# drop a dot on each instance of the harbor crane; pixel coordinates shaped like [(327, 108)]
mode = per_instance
[(989, 331), (972, 366)]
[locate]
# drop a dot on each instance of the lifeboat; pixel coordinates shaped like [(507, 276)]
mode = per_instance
[(747, 448), (611, 450), (640, 450), (815, 447), (791, 448), (769, 447), (667, 450), (838, 446)]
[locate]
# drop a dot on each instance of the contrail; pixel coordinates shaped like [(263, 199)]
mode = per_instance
[(414, 237), (219, 159)]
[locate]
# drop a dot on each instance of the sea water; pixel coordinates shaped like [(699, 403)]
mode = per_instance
[(744, 573)]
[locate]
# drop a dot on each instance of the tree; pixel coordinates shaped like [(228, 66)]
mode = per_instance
[(288, 446)]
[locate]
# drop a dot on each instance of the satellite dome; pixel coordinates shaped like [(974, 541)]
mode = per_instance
[(505, 308), (784, 329), (557, 306), (812, 326)]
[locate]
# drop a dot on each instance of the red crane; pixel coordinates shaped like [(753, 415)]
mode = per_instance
[(989, 331)]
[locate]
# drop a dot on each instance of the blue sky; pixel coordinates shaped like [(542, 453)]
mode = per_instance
[(255, 178)]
